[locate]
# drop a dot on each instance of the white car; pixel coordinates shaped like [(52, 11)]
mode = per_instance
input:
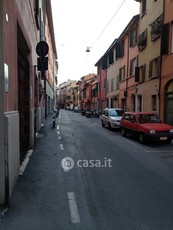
[(111, 118)]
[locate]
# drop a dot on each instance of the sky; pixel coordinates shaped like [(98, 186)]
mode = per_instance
[(79, 24)]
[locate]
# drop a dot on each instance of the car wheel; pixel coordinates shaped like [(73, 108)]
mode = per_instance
[(103, 125), (110, 126), (124, 133), (141, 138)]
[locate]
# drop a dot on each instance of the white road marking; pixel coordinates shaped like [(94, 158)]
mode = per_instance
[(58, 132), (59, 137), (61, 146), (57, 126), (74, 213)]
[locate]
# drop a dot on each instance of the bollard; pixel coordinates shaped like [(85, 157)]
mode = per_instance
[(54, 120)]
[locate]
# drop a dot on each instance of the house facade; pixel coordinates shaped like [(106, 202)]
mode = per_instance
[(127, 53), (85, 93), (101, 78), (149, 61), (166, 88), (112, 77), (23, 27)]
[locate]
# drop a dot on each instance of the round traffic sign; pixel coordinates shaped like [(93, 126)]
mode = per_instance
[(42, 49)]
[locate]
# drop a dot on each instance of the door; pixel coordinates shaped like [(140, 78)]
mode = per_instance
[(23, 95)]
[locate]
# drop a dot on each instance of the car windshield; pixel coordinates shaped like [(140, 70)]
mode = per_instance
[(115, 113), (148, 118)]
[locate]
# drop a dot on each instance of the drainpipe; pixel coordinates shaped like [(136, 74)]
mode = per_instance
[(2, 152), (127, 71)]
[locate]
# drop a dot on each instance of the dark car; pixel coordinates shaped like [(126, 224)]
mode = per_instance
[(83, 112)]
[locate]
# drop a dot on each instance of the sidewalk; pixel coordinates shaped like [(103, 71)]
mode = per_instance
[(36, 201)]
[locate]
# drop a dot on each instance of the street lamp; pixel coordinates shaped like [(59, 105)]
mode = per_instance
[(88, 49)]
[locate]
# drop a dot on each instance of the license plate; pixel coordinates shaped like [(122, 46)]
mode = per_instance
[(163, 138)]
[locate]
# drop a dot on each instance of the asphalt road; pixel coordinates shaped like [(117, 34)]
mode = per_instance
[(95, 179)]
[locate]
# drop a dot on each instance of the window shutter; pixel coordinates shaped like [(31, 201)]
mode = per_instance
[(111, 57), (104, 63), (158, 66), (136, 74), (121, 48), (131, 38), (144, 72), (150, 68), (131, 67), (37, 14), (117, 50), (120, 73), (165, 39)]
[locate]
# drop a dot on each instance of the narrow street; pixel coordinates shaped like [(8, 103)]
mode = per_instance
[(108, 182)]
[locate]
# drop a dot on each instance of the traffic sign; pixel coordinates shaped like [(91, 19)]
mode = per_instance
[(42, 49)]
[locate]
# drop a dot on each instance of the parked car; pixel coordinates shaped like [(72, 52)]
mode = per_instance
[(147, 126), (111, 117), (83, 112), (88, 113), (93, 113), (67, 107), (76, 109)]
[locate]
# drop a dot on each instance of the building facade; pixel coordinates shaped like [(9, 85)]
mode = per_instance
[(101, 78), (166, 88), (149, 61), (23, 26)]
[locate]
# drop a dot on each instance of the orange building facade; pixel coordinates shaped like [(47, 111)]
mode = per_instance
[(166, 88)]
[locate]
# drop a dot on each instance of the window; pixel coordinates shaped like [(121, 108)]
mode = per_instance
[(117, 82), (133, 37), (132, 118), (143, 7), (105, 83), (37, 14), (111, 57), (154, 102), (154, 67), (142, 73), (119, 49), (142, 40), (165, 39), (156, 28), (112, 84), (104, 63), (122, 73), (126, 117), (133, 63)]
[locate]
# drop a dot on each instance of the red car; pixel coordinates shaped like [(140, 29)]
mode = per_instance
[(147, 126)]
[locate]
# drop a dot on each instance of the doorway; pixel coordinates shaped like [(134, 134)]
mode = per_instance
[(23, 94)]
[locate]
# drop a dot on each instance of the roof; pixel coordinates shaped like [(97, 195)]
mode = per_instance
[(134, 18)]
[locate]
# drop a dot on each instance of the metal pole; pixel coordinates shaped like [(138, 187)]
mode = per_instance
[(45, 96), (2, 152)]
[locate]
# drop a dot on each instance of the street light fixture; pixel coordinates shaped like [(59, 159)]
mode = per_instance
[(88, 49)]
